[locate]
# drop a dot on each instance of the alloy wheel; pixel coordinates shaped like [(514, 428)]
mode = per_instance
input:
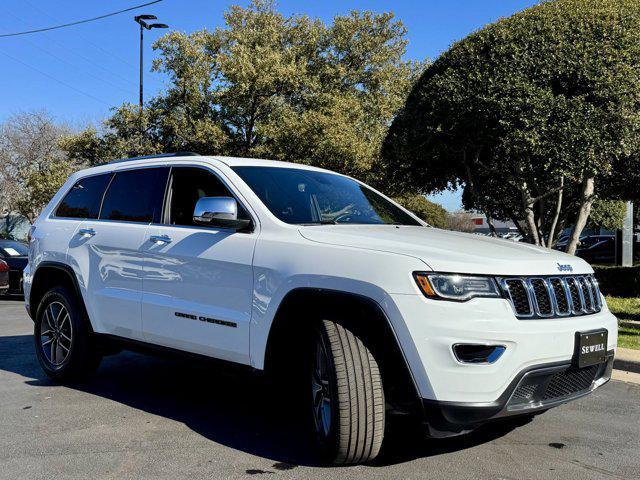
[(56, 334), (321, 389)]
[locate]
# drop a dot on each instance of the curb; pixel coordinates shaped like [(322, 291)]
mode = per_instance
[(627, 359)]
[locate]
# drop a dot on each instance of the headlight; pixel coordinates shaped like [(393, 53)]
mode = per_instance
[(451, 286)]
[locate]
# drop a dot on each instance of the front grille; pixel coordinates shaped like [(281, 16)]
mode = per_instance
[(525, 392), (545, 297), (574, 293), (586, 293), (570, 382), (519, 296), (560, 294), (542, 296)]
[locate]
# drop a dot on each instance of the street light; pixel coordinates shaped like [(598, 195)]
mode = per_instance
[(140, 19)]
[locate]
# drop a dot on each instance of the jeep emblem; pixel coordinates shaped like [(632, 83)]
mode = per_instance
[(565, 267)]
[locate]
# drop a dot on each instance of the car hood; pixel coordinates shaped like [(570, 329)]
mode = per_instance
[(446, 251)]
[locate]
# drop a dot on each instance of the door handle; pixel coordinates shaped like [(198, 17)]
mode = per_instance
[(160, 239), (86, 232)]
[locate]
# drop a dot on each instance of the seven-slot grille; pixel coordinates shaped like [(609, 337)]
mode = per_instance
[(557, 296)]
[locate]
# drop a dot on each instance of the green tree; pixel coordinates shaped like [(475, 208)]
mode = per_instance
[(40, 185), (534, 116), (267, 85), (432, 213), (608, 214)]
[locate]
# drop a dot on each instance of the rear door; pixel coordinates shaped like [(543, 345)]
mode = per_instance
[(198, 280), (109, 250)]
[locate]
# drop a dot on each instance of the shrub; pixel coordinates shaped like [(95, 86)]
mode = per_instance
[(619, 281), (432, 213), (460, 222)]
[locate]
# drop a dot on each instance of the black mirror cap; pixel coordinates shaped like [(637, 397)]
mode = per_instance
[(212, 220)]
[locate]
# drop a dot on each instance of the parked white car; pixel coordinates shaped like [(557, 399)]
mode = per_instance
[(313, 277)]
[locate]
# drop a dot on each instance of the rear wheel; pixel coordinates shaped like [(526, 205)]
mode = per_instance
[(65, 347), (347, 398)]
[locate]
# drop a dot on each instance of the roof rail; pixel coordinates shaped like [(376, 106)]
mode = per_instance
[(159, 155)]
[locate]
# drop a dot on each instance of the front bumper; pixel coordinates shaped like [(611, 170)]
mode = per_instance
[(533, 390), (15, 281), (4, 282), (433, 327), (26, 288)]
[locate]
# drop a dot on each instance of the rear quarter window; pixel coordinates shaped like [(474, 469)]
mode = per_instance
[(84, 198)]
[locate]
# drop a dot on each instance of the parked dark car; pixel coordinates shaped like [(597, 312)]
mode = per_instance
[(4, 277), (562, 243), (14, 254), (597, 248)]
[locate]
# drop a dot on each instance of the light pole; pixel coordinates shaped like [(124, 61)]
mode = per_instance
[(627, 237), (140, 19)]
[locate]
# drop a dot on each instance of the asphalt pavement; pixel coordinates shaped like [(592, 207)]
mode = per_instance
[(150, 418)]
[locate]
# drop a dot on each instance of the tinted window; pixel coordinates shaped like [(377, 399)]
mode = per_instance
[(83, 200), (188, 185), (136, 196), (309, 197)]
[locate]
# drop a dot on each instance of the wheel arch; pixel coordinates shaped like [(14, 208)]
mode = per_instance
[(360, 313), (49, 274)]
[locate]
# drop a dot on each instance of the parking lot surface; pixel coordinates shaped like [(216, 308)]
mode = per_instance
[(144, 417)]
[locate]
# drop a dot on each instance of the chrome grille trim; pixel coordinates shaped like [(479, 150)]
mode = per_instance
[(566, 296), (596, 291), (505, 283), (584, 300), (590, 300), (535, 297), (576, 308)]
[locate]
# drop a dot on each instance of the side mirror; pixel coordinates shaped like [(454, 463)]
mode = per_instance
[(218, 212)]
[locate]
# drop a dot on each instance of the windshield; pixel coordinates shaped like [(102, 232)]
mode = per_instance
[(308, 197), (13, 249)]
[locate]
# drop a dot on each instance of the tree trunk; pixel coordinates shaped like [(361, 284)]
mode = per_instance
[(248, 143), (516, 222), (529, 215), (583, 214), (492, 227), (556, 215), (474, 191)]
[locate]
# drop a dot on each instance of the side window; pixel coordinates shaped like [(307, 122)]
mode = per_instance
[(84, 198), (136, 196), (188, 185)]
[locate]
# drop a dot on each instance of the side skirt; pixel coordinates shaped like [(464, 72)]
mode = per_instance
[(113, 344)]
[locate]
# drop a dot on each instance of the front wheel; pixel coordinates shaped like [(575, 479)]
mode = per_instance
[(347, 398)]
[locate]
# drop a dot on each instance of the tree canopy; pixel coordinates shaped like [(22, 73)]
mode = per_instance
[(534, 116), (264, 85), (33, 166), (608, 214), (268, 85)]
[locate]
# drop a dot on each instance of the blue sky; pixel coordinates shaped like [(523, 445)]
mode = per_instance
[(79, 73)]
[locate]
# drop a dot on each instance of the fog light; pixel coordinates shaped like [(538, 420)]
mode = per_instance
[(470, 353)]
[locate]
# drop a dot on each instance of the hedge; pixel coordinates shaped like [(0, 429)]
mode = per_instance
[(619, 281)]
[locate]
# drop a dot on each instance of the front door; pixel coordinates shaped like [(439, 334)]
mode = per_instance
[(198, 280)]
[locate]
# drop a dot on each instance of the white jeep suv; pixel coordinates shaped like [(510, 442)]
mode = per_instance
[(317, 278)]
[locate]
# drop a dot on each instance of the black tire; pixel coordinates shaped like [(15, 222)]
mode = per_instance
[(354, 429), (61, 359)]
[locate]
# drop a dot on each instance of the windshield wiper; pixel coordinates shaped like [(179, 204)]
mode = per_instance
[(319, 222)]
